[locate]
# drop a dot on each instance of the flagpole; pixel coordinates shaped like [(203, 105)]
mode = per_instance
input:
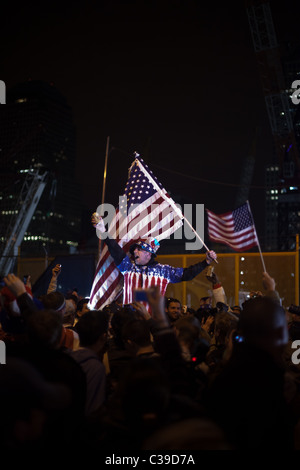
[(261, 257), (258, 244), (104, 186), (173, 205)]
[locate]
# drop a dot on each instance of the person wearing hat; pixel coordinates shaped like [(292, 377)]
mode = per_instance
[(142, 270)]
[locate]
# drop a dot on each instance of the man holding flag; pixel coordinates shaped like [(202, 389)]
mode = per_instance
[(128, 261), (142, 271)]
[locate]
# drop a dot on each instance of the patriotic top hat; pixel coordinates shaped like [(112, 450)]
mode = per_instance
[(150, 244)]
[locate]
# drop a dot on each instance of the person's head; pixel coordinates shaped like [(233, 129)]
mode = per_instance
[(82, 307), (205, 302), (144, 251), (44, 328), (31, 407), (141, 257), (136, 334), (236, 309), (224, 324), (144, 391), (187, 330), (118, 320), (194, 433), (69, 314), (72, 297), (173, 308), (263, 324), (54, 301), (92, 330)]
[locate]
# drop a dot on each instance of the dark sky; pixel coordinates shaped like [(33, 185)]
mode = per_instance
[(176, 81)]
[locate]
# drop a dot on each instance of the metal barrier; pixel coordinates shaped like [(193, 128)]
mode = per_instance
[(239, 274)]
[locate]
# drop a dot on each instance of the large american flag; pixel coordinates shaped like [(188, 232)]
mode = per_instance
[(235, 228), (143, 212)]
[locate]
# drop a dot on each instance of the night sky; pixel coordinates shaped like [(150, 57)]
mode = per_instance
[(176, 81)]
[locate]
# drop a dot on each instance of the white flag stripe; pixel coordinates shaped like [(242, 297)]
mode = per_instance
[(237, 246), (241, 235), (214, 225), (247, 239), (225, 222)]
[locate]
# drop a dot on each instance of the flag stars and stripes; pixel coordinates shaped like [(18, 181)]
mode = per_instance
[(108, 281), (242, 219), (235, 229)]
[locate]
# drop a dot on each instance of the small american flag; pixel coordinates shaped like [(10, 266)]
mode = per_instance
[(235, 228), (143, 212)]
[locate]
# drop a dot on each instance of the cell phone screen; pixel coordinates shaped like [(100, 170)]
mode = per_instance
[(140, 296)]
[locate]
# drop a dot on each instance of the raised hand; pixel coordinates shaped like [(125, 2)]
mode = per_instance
[(210, 256), (56, 270), (97, 221), (268, 281), (15, 285)]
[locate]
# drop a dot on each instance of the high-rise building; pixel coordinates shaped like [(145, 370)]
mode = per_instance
[(271, 198), (282, 178), (37, 131)]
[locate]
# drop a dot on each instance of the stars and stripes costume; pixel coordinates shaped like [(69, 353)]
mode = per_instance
[(149, 275), (144, 213)]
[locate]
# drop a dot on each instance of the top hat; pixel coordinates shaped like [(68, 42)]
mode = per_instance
[(150, 244)]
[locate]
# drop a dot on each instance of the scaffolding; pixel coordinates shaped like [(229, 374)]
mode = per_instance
[(30, 194)]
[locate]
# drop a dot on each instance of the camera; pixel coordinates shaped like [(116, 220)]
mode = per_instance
[(295, 309)]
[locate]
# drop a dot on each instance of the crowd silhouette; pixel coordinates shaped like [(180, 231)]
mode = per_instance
[(208, 377)]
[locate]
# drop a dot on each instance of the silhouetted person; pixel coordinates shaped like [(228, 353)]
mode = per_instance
[(247, 397)]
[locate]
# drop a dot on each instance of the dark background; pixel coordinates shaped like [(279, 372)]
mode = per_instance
[(176, 81)]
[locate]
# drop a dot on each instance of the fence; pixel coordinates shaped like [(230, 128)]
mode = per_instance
[(239, 274)]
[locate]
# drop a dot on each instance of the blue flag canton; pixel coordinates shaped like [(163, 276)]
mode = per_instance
[(242, 218), (138, 188)]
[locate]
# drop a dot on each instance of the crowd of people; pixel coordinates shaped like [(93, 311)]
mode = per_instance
[(211, 377)]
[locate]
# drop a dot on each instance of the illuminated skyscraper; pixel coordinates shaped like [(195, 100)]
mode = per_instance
[(37, 131)]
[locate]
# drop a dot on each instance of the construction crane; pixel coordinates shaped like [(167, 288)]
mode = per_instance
[(32, 189), (274, 87)]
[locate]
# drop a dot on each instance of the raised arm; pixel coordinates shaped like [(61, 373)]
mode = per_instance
[(18, 289), (192, 271), (114, 248), (53, 282)]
